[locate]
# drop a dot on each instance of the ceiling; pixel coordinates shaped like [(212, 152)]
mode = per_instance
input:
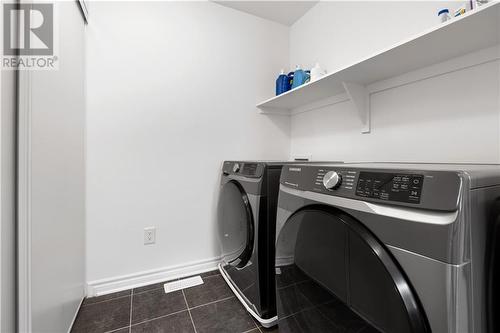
[(284, 12)]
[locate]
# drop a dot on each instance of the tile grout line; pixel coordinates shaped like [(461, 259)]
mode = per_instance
[(255, 321), (300, 311), (131, 307), (116, 329), (257, 324), (189, 311), (217, 301), (297, 283), (173, 313), (149, 290), (209, 303), (250, 330), (312, 307), (131, 295), (328, 319), (177, 312), (160, 317)]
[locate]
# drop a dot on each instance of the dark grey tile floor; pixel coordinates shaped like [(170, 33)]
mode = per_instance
[(304, 306), (212, 308), (207, 308)]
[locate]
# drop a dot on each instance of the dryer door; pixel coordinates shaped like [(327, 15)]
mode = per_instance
[(335, 275), (236, 225)]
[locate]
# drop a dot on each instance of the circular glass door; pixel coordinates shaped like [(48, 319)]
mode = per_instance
[(236, 225)]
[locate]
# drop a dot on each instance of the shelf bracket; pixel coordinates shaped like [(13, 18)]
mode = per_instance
[(274, 111), (360, 98)]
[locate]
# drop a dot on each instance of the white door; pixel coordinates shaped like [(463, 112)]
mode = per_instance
[(51, 253)]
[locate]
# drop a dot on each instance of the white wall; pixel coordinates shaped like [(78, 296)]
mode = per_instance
[(453, 117), (171, 94), (172, 89), (51, 217)]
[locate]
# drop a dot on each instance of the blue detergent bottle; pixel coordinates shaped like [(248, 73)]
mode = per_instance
[(299, 77), (282, 83)]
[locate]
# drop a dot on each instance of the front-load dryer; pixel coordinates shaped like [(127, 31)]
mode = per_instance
[(246, 221), (387, 248)]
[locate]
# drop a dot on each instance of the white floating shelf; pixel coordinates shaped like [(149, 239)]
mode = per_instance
[(476, 30)]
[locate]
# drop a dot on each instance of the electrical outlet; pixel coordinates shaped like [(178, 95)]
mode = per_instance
[(149, 235)]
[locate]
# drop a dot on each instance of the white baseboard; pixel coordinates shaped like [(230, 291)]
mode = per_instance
[(124, 282)]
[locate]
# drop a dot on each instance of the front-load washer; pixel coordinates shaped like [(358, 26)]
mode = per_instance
[(247, 224), (388, 248)]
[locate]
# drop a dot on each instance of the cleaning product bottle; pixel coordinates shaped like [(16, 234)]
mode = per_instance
[(299, 77), (282, 83), (290, 79), (460, 11), (444, 15), (317, 72)]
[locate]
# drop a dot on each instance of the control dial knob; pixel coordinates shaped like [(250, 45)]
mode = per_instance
[(332, 180), (236, 167)]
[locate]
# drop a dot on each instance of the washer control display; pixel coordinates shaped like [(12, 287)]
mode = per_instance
[(390, 186)]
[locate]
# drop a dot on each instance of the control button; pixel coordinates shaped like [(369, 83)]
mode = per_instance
[(236, 167), (332, 180), (416, 181)]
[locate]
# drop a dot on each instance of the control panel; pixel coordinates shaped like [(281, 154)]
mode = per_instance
[(390, 186), (335, 179), (246, 169), (412, 188), (327, 180)]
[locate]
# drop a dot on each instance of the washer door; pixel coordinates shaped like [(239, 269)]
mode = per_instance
[(332, 268), (236, 225)]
